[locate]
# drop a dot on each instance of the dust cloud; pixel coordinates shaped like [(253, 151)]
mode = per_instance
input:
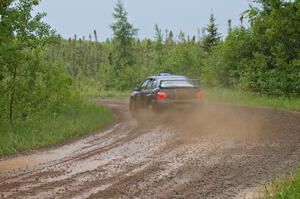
[(227, 122)]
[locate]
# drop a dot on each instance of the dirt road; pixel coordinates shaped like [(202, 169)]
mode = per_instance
[(222, 153)]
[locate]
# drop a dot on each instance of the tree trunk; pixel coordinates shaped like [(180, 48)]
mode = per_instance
[(12, 95)]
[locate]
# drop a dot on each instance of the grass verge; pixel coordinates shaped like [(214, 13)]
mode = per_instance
[(250, 99), (48, 128), (106, 94), (288, 188)]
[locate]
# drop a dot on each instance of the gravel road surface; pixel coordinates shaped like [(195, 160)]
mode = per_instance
[(224, 152)]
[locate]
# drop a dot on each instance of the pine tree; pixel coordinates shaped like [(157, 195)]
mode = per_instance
[(242, 20), (124, 36), (193, 39), (181, 37), (95, 36), (229, 25), (158, 46), (170, 41), (97, 54), (170, 38), (158, 35), (213, 36)]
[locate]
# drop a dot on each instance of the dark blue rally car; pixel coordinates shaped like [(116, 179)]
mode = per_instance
[(167, 91)]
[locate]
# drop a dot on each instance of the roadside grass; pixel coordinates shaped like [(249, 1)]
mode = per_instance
[(288, 188), (251, 99), (105, 94), (48, 128)]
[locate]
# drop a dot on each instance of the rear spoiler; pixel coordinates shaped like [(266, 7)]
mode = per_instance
[(194, 82)]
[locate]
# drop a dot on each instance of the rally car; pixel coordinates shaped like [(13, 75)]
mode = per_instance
[(165, 92)]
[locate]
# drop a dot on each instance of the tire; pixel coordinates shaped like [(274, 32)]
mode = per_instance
[(132, 109), (153, 111), (150, 107)]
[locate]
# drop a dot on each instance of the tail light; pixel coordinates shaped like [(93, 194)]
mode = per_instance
[(161, 96), (200, 95)]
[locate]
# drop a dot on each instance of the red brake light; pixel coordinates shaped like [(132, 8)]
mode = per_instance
[(200, 95), (161, 96)]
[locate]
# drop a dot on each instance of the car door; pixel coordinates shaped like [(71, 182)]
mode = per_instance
[(146, 92), (141, 94)]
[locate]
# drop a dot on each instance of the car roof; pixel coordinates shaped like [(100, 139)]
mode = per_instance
[(168, 77)]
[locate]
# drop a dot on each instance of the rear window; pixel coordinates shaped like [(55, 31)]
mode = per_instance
[(178, 84)]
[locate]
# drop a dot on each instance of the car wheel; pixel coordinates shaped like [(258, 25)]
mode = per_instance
[(151, 108), (132, 109)]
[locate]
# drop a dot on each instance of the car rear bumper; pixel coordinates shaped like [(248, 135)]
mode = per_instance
[(178, 104)]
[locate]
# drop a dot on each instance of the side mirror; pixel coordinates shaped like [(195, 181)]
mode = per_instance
[(136, 89)]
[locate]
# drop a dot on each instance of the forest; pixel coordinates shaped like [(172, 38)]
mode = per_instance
[(262, 58), (41, 70)]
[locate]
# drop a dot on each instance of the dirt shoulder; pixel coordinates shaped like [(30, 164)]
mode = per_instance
[(220, 153)]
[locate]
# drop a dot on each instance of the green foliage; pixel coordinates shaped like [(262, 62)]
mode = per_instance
[(212, 37), (83, 60), (28, 83), (39, 104), (221, 95), (275, 30), (185, 59), (51, 127), (264, 58), (226, 64), (109, 94)]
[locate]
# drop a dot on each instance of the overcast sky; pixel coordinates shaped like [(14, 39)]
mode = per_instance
[(83, 16)]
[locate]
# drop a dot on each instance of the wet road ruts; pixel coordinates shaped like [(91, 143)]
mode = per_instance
[(220, 153)]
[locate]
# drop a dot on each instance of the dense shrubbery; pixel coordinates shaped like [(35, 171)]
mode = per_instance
[(265, 57)]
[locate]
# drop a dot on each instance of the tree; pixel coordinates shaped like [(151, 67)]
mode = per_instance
[(170, 39), (15, 38), (229, 22), (276, 28), (181, 37), (124, 36), (28, 82), (170, 42), (213, 36), (159, 51), (158, 35), (263, 58)]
